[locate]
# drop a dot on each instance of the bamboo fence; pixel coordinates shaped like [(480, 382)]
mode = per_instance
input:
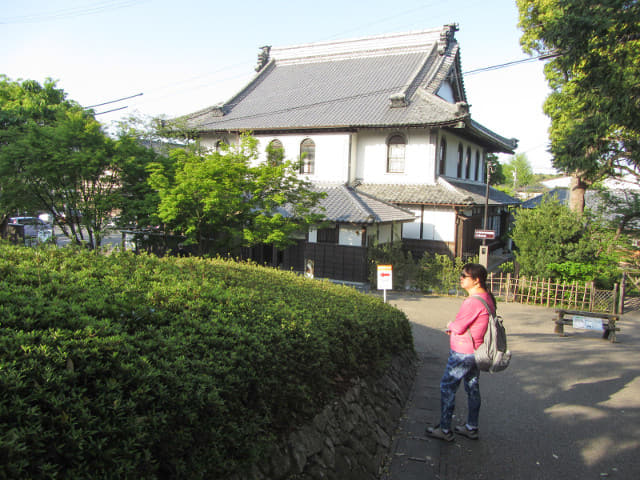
[(548, 293)]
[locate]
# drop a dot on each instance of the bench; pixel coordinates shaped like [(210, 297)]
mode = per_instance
[(587, 320)]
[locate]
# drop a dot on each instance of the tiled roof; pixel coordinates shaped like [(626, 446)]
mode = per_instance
[(343, 204), (389, 80), (445, 192)]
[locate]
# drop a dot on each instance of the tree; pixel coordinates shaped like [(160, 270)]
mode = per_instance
[(56, 158), (593, 72), (497, 172), (553, 241), (224, 199), (519, 171)]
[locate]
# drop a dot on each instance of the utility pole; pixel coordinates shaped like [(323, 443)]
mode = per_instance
[(484, 249)]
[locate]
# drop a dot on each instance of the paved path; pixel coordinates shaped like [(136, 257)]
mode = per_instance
[(567, 408)]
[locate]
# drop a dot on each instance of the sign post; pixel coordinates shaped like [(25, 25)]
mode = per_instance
[(385, 279), (484, 249)]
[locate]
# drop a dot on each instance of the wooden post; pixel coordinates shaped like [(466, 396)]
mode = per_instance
[(508, 287), (623, 291), (615, 295)]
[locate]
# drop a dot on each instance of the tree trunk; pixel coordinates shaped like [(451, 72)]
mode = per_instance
[(577, 190)]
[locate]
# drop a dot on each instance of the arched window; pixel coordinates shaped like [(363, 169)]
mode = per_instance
[(460, 160), (442, 157), (307, 156), (476, 174), (275, 153), (467, 167), (395, 154)]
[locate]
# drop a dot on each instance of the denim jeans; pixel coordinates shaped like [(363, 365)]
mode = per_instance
[(460, 366)]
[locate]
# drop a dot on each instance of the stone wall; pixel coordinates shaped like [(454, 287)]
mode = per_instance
[(350, 438)]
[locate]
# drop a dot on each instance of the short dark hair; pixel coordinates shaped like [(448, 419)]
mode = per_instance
[(476, 271)]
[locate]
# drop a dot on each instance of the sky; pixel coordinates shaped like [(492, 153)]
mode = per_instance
[(187, 55)]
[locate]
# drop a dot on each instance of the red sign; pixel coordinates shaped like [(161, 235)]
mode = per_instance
[(484, 234)]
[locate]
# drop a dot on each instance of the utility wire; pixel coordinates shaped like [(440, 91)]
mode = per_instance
[(114, 101), (112, 110), (67, 13)]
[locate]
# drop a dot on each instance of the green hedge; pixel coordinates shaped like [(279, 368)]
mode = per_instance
[(127, 366)]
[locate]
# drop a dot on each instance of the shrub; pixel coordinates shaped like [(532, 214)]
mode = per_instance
[(129, 366)]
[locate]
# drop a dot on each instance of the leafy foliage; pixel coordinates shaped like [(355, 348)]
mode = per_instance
[(55, 158), (518, 171), (226, 198), (127, 366), (553, 241), (594, 105)]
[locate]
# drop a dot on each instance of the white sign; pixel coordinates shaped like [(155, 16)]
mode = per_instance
[(484, 234), (587, 323), (385, 277)]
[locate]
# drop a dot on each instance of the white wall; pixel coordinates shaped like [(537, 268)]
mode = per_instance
[(332, 152), (350, 235), (344, 157), (436, 225), (371, 158), (453, 141)]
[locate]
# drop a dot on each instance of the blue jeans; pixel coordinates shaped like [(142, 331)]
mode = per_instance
[(460, 366)]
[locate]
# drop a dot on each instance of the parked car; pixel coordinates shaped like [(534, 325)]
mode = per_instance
[(34, 228)]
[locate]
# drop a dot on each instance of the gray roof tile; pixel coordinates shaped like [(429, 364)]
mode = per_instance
[(329, 86), (343, 204), (445, 192)]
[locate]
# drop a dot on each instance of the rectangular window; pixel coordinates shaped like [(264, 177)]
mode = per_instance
[(328, 235)]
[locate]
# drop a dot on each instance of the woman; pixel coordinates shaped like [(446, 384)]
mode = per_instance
[(466, 335)]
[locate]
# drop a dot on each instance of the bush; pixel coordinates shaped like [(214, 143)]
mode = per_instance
[(440, 273), (129, 366)]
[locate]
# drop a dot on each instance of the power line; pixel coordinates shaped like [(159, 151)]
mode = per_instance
[(114, 101), (66, 13), (109, 111)]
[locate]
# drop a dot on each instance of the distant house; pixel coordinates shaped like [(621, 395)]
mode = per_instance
[(626, 190), (382, 124)]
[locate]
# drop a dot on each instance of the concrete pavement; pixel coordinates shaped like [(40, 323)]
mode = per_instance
[(567, 407)]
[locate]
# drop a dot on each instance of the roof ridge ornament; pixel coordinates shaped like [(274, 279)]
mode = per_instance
[(263, 57), (446, 35)]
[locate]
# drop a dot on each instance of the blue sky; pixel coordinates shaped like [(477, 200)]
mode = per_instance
[(187, 55)]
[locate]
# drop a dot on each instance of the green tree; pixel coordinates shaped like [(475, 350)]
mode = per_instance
[(518, 171), (225, 199), (56, 158), (139, 143), (593, 73), (553, 241), (497, 170)]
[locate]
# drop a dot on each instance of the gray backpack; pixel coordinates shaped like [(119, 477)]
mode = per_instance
[(493, 355)]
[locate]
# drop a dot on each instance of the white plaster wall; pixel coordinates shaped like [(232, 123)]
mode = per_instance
[(349, 235), (439, 225), (371, 166), (451, 170), (332, 154), (384, 233), (412, 230), (313, 235), (436, 225)]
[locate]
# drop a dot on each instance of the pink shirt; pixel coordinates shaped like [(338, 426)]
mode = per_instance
[(472, 317)]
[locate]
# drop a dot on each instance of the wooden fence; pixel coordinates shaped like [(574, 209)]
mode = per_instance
[(548, 293)]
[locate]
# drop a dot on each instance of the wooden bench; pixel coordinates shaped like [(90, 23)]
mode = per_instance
[(587, 320)]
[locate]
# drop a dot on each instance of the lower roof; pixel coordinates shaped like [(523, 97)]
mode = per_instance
[(445, 192)]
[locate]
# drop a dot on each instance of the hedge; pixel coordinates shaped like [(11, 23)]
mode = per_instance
[(126, 366)]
